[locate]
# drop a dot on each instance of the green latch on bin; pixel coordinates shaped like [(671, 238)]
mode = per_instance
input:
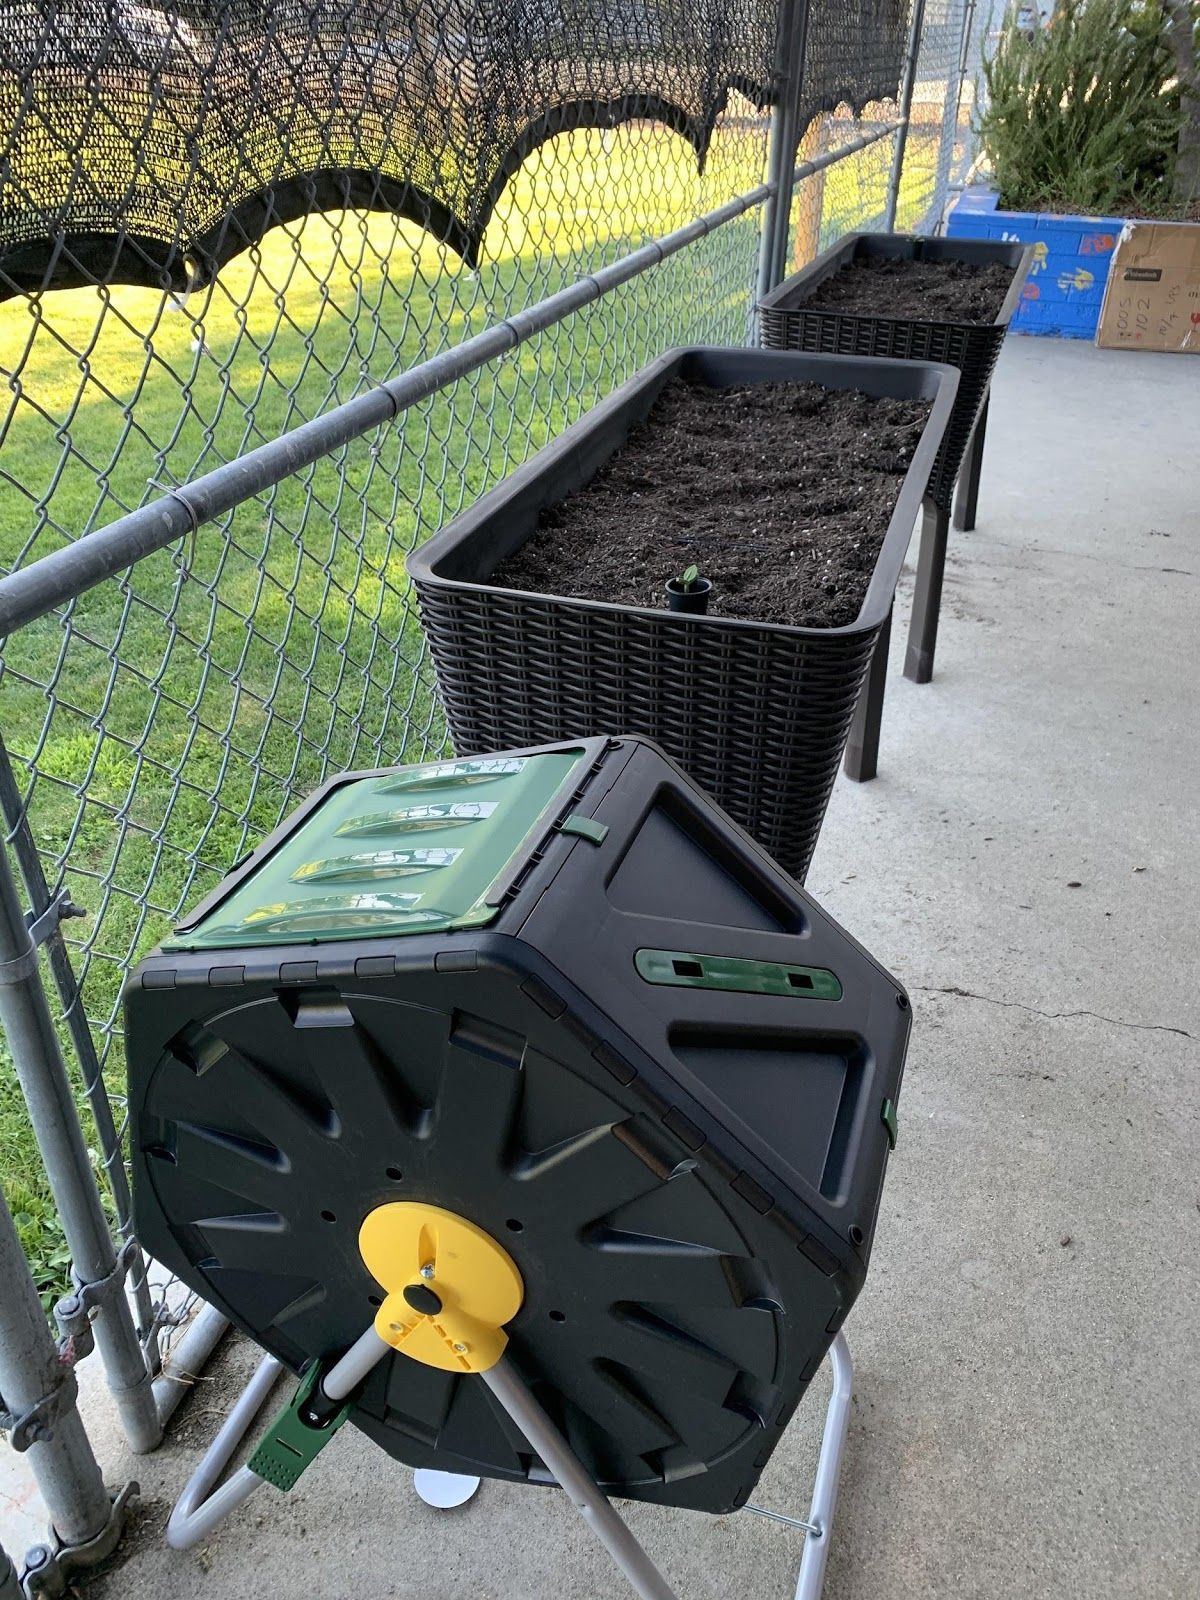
[(887, 1115), (584, 828), (294, 1440), (685, 969)]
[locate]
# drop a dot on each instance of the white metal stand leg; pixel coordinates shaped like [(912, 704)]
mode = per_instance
[(829, 1467), (201, 1506), (595, 1509), (613, 1533), (363, 1356)]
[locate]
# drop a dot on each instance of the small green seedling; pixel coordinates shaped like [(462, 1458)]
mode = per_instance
[(687, 578)]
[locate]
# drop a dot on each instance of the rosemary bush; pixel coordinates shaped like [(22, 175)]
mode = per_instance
[(1084, 114)]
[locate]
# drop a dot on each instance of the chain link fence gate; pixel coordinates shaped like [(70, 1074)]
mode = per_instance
[(190, 270)]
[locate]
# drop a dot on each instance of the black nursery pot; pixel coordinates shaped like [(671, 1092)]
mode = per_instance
[(756, 712), (787, 323), (693, 599)]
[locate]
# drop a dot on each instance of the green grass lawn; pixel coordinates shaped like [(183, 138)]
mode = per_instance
[(177, 714)]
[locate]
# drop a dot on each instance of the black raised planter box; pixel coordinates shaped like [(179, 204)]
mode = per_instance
[(758, 713), (786, 322)]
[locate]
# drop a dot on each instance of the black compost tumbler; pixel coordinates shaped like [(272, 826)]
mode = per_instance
[(559, 994)]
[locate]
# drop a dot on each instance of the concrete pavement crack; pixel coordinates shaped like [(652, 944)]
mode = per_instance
[(1052, 1016), (1087, 555)]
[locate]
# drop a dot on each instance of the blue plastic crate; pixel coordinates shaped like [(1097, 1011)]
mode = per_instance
[(1065, 291)]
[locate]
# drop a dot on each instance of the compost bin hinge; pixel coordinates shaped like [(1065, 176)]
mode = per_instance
[(300, 1432), (41, 925), (73, 1313)]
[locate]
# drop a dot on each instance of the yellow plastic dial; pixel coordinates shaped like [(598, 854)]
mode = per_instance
[(408, 1245)]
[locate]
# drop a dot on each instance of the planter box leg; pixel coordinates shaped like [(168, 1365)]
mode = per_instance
[(967, 497), (862, 747), (927, 601)]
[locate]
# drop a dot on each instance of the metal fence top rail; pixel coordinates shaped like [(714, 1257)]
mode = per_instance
[(55, 579)]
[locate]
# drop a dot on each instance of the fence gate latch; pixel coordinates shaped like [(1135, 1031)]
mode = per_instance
[(61, 909), (73, 1313), (40, 925), (38, 1421)]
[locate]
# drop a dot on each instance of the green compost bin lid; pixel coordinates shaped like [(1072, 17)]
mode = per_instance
[(411, 851)]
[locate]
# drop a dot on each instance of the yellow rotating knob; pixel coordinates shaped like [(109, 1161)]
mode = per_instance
[(450, 1288)]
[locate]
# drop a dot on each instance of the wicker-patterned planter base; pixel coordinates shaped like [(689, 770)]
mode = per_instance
[(757, 713)]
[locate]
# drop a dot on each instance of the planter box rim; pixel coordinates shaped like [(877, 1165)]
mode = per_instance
[(1118, 219), (422, 561), (1019, 257)]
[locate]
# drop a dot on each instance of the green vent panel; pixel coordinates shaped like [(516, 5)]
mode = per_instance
[(685, 969), (363, 866)]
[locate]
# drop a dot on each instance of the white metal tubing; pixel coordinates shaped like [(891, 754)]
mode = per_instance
[(186, 1359), (201, 1505), (367, 1351), (627, 1554), (829, 1467)]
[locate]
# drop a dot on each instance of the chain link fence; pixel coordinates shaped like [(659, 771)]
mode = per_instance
[(156, 726), (162, 724), (936, 148)]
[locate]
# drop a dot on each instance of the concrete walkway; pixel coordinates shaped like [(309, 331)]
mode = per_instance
[(1027, 1399)]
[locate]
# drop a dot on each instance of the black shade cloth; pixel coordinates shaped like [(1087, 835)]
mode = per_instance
[(151, 143), (855, 53)]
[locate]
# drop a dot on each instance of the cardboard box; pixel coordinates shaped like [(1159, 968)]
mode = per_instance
[(1153, 296)]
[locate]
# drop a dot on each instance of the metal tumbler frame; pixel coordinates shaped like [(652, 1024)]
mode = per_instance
[(206, 1501)]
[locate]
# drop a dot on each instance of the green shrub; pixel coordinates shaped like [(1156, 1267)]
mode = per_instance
[(1084, 114)]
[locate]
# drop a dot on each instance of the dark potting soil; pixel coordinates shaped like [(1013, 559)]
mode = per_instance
[(780, 493), (932, 291)]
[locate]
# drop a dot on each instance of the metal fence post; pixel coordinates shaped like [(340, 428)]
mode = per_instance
[(99, 1274), (966, 51), (37, 1381), (29, 862), (950, 109), (907, 85), (785, 137), (10, 1589)]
